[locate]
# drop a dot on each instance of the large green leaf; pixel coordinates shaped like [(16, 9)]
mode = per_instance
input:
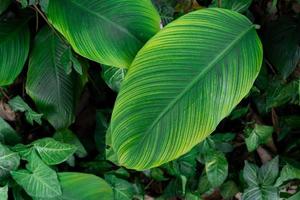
[(4, 193), (109, 32), (182, 83), (54, 92), (14, 48), (7, 134), (8, 161), (82, 186), (38, 180)]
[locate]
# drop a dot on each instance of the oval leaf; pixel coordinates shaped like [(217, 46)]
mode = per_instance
[(109, 32), (14, 48), (54, 92), (182, 83)]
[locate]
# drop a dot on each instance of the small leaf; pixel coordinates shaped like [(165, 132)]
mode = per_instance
[(18, 104), (53, 152), (7, 134), (9, 161), (68, 137), (250, 174), (269, 172), (216, 168), (259, 135), (113, 77), (123, 190), (229, 189), (38, 180), (4, 193), (288, 172), (252, 193)]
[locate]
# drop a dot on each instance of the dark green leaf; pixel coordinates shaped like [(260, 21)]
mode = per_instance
[(3, 5), (235, 5), (250, 174), (268, 172), (288, 172), (229, 189), (9, 161), (113, 76), (18, 104), (123, 190), (259, 135), (216, 168), (54, 92), (7, 134)]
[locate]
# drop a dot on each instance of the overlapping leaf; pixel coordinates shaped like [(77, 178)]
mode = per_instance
[(14, 48), (109, 32), (54, 92), (182, 83)]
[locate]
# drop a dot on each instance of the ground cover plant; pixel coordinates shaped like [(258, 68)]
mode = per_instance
[(162, 99)]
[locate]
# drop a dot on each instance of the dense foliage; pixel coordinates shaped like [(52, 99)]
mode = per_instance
[(140, 99)]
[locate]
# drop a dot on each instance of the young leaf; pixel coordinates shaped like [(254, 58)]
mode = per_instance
[(123, 190), (108, 32), (259, 135), (3, 5), (68, 137), (18, 104), (288, 172), (8, 161), (269, 172), (4, 193), (216, 168), (53, 152), (238, 6), (174, 106), (7, 134), (113, 76), (250, 174), (54, 92), (38, 180), (14, 48)]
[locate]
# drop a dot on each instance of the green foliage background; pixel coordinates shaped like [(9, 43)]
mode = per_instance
[(59, 86)]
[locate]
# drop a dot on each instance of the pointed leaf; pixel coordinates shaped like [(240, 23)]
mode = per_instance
[(113, 77), (182, 83), (53, 152), (109, 32), (288, 172), (250, 174), (269, 171), (9, 161), (123, 190), (4, 193), (259, 135), (14, 48), (7, 134), (54, 92), (38, 180)]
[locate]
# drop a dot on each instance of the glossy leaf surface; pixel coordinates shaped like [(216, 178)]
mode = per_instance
[(202, 70)]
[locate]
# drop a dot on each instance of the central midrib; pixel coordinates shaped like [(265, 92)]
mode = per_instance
[(107, 19), (194, 81)]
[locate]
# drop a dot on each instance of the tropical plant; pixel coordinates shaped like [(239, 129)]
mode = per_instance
[(145, 99)]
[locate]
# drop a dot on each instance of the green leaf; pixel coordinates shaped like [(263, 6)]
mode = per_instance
[(4, 193), (53, 152), (54, 92), (165, 107), (82, 186), (9, 161), (281, 42), (295, 196), (123, 190), (216, 168), (14, 48), (268, 172), (259, 135), (69, 61), (250, 174), (18, 104), (38, 180), (4, 5), (113, 77), (229, 189), (68, 137), (288, 172), (238, 6), (264, 193), (7, 134), (108, 32)]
